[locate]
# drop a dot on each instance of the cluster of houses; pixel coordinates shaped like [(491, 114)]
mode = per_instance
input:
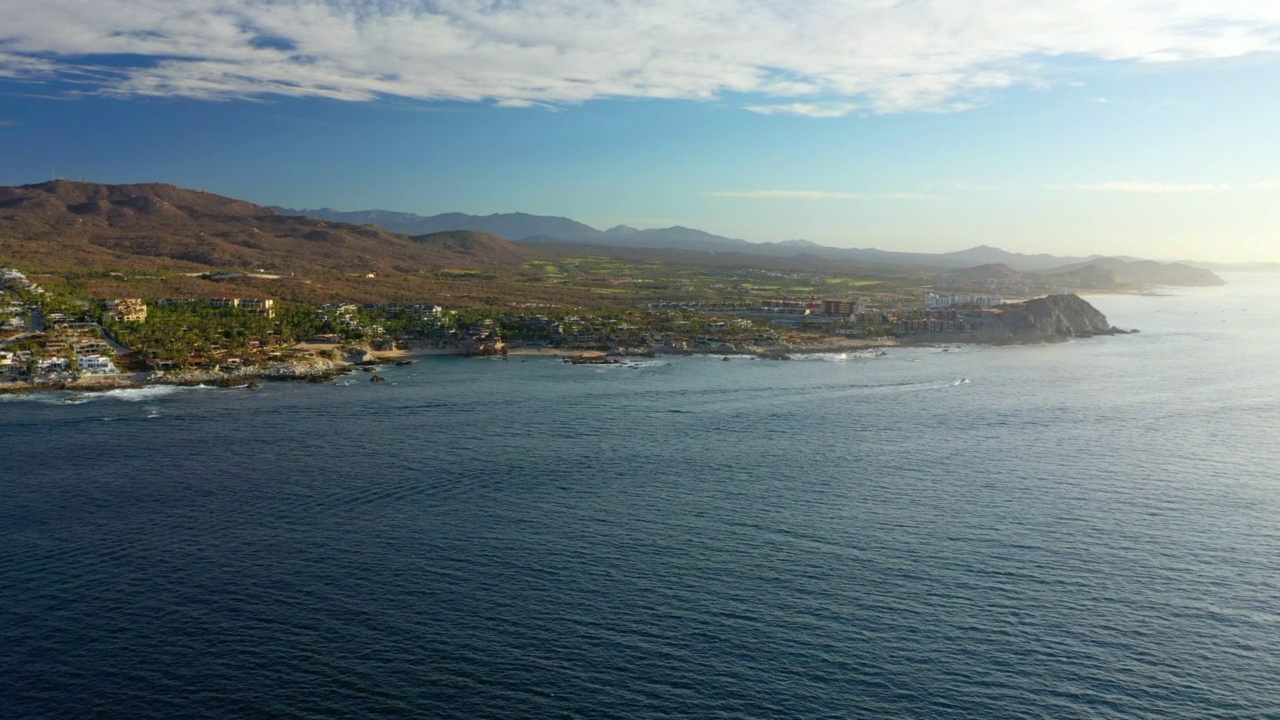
[(68, 351), (132, 310), (68, 347), (932, 300), (30, 364), (12, 313), (11, 279), (12, 310), (253, 306)]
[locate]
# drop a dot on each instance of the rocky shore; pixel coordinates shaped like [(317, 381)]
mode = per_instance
[(307, 368), (298, 369), (1049, 319)]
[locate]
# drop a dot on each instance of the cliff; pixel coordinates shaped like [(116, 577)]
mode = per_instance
[(1048, 319)]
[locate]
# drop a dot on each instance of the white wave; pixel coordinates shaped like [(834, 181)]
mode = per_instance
[(151, 392), (138, 394)]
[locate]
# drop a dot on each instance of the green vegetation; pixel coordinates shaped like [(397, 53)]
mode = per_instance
[(177, 333)]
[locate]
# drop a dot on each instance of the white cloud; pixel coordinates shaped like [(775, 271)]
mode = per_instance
[(818, 195), (818, 58), (1266, 185), (813, 110), (1143, 186)]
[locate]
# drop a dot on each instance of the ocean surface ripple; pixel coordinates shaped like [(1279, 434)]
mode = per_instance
[(1080, 530)]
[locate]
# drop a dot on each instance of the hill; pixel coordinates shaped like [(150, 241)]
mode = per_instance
[(1145, 272), (1048, 319), (64, 224), (1097, 274), (478, 248)]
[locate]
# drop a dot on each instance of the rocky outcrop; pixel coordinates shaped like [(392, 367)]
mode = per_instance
[(358, 355), (296, 369), (1049, 319), (591, 360)]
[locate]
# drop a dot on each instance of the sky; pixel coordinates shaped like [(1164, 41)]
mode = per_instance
[(1137, 127)]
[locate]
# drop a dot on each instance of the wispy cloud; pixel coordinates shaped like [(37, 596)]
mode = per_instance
[(1143, 186), (1266, 185), (804, 109), (819, 195), (813, 58), (7, 123), (964, 186)]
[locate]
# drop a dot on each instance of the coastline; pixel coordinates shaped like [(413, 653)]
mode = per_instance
[(309, 369), (317, 369), (323, 361)]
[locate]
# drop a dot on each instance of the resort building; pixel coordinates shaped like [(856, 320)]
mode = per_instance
[(932, 300), (131, 310), (257, 306), (254, 306)]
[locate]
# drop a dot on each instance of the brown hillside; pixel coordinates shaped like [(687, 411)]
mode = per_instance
[(480, 246), (64, 225)]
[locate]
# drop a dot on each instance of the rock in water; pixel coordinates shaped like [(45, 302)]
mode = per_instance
[(1048, 319)]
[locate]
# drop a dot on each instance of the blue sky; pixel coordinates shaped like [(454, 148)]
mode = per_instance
[(1127, 126)]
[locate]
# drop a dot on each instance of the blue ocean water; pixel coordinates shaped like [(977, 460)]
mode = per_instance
[(1090, 529)]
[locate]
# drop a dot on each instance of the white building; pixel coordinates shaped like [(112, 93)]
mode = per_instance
[(933, 301), (96, 365)]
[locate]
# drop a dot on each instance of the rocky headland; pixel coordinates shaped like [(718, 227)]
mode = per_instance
[(1048, 319)]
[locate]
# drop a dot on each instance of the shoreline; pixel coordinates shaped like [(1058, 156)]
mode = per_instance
[(348, 359), (315, 369)]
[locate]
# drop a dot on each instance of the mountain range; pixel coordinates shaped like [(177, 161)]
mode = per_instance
[(157, 226), (542, 229)]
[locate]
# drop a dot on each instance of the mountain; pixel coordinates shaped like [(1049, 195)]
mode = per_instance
[(1099, 273), (541, 229), (64, 225), (512, 226), (1146, 272), (533, 229), (671, 238), (1235, 267)]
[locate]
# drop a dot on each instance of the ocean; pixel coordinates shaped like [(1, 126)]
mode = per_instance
[(1088, 529)]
